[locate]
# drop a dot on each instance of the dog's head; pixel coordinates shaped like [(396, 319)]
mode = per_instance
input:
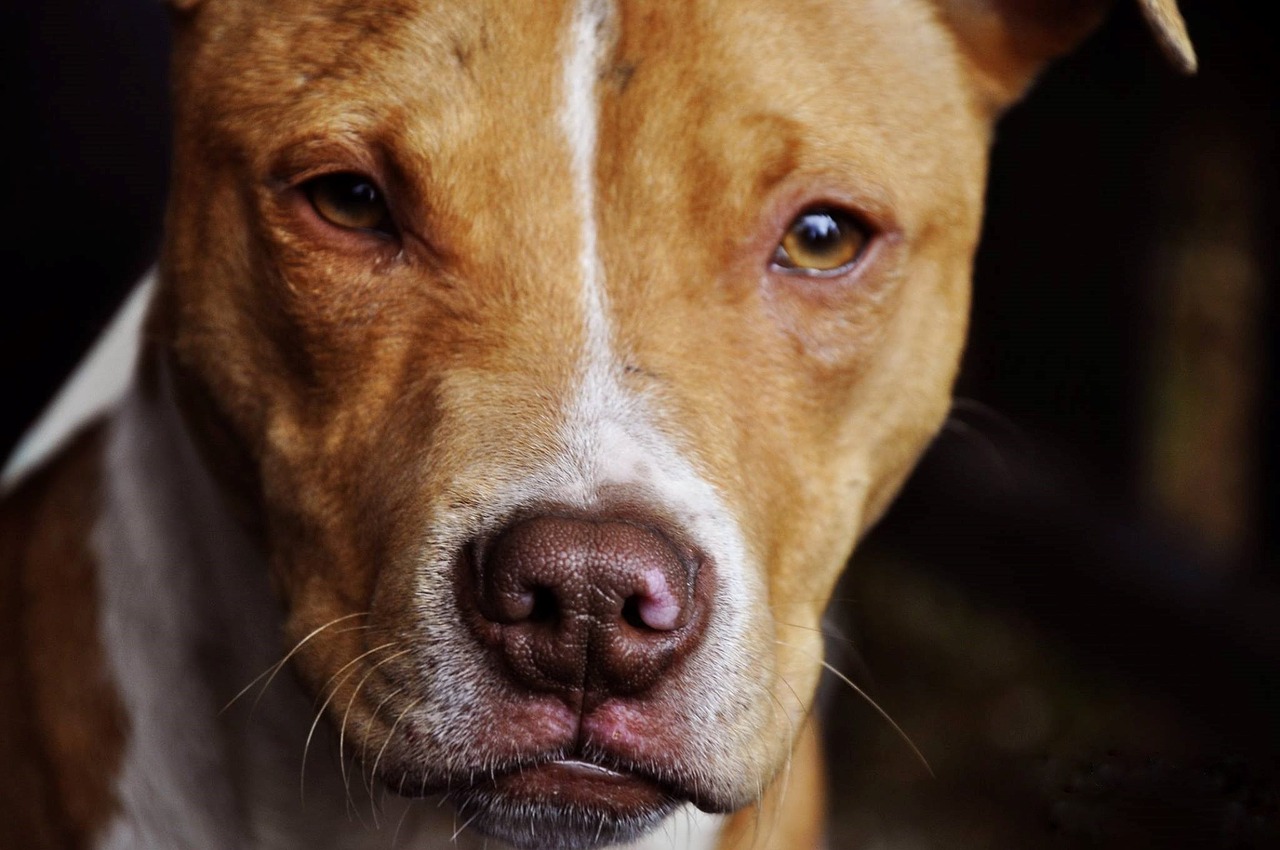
[(561, 352)]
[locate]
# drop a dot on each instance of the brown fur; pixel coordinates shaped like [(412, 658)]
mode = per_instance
[(62, 723)]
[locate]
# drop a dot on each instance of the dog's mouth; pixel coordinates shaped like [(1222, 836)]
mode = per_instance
[(564, 803), (582, 784)]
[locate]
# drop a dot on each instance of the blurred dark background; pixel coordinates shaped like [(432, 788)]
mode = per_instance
[(1073, 608)]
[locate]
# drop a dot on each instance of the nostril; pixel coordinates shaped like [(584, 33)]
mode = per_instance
[(631, 613), (543, 607)]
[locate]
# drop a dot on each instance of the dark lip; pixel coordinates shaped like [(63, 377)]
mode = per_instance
[(585, 769), (576, 782), (566, 803), (559, 778)]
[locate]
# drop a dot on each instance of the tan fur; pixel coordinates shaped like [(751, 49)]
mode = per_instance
[(349, 393), (791, 814)]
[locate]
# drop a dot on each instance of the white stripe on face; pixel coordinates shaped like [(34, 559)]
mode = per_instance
[(611, 437), (580, 121)]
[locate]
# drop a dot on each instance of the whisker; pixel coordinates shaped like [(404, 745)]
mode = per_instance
[(373, 772), (786, 768), (960, 404), (342, 728), (306, 748), (824, 600), (989, 446), (460, 829), (756, 833), (860, 692), (377, 712), (395, 836), (271, 671), (364, 749), (830, 635), (849, 650)]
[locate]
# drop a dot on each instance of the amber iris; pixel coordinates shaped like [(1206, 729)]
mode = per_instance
[(349, 200), (821, 241)]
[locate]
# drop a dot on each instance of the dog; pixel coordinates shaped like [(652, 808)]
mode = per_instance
[(515, 383)]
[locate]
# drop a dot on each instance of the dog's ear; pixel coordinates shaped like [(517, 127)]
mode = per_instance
[(182, 5), (1009, 41)]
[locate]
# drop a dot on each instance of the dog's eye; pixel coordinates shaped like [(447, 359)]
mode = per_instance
[(349, 200), (821, 241)]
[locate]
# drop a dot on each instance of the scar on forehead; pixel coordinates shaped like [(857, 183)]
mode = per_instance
[(619, 74)]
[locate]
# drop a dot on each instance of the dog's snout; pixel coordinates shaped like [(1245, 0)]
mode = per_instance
[(586, 606)]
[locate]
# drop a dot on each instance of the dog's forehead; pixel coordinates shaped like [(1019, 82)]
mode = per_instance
[(326, 35), (429, 76)]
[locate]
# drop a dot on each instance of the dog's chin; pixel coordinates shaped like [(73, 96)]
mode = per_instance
[(564, 805)]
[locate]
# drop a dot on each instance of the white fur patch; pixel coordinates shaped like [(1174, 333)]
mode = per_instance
[(579, 120), (97, 384), (188, 619), (173, 788), (688, 829)]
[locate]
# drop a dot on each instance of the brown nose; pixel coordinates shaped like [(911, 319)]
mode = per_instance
[(586, 606)]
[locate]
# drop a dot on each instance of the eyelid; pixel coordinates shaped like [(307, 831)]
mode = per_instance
[(312, 156)]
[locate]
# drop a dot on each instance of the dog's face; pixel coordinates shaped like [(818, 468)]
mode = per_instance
[(563, 351)]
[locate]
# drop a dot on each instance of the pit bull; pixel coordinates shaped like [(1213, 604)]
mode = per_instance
[(516, 380)]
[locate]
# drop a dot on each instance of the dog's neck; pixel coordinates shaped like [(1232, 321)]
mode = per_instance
[(189, 620)]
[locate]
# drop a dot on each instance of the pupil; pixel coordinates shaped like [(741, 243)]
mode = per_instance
[(820, 230), (364, 193)]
